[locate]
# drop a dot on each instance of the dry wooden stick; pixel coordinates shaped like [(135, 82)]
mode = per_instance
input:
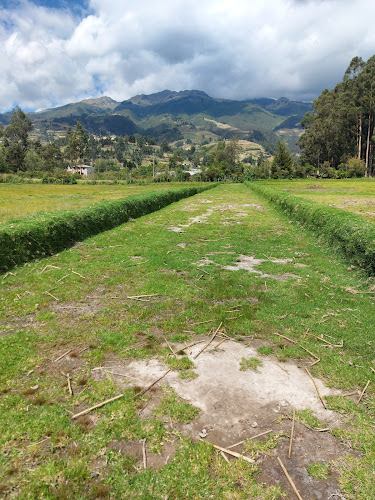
[(252, 437), (289, 479), (50, 294), (230, 452), (152, 385), (362, 393), (291, 434), (99, 405), (58, 281), (202, 322), (299, 345), (221, 341), (69, 384), (283, 369), (353, 393), (224, 456), (372, 369), (141, 296), (75, 272), (143, 441), (320, 338), (209, 342), (62, 355), (168, 344), (317, 389)]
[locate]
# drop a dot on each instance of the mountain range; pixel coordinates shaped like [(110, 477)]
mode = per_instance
[(188, 114)]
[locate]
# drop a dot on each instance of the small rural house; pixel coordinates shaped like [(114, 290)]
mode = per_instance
[(81, 169)]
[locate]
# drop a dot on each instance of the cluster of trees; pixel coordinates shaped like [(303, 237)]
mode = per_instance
[(339, 132)]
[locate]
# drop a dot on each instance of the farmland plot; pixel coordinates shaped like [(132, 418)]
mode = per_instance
[(20, 200), (353, 195), (112, 315)]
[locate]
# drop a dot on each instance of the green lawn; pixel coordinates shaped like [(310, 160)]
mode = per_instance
[(79, 300), (19, 200), (353, 195)]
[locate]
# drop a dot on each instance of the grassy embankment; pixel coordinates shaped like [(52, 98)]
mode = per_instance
[(46, 233), (79, 300)]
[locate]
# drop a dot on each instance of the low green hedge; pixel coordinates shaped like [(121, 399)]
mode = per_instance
[(47, 233), (349, 232)]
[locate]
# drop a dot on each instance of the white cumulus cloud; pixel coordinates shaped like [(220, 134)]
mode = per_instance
[(235, 49)]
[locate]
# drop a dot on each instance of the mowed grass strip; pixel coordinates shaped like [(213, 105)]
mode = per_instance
[(22, 200), (78, 301)]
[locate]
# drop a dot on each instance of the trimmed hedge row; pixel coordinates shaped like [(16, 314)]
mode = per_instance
[(45, 234), (349, 232)]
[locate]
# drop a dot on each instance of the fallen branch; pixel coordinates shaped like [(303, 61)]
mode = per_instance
[(143, 441), (88, 410), (230, 452), (62, 356), (289, 479), (58, 281), (209, 342), (152, 385), (50, 294), (299, 345), (170, 347), (291, 434), (317, 389), (69, 382), (252, 437), (224, 456), (75, 272), (219, 343), (362, 393), (141, 296)]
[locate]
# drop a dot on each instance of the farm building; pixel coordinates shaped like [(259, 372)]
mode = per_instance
[(81, 169)]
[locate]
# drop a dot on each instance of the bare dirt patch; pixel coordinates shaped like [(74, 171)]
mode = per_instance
[(248, 263), (14, 324), (236, 405)]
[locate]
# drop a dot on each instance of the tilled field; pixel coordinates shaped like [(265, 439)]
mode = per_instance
[(214, 321)]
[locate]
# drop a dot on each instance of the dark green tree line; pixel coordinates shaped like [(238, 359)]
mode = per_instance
[(341, 126)]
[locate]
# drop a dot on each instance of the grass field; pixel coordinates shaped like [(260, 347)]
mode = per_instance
[(114, 313), (353, 195), (19, 200)]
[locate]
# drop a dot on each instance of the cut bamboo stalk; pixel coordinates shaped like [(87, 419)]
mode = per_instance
[(299, 345), (168, 344), (317, 389), (252, 437), (291, 434), (362, 393), (149, 387), (209, 342), (221, 341), (62, 355), (230, 452), (99, 405), (289, 479), (143, 441)]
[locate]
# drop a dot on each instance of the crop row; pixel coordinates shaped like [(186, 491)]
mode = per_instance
[(349, 232), (44, 234)]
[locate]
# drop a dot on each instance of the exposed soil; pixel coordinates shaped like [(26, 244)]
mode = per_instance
[(236, 405)]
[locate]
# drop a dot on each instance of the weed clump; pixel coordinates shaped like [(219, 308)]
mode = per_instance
[(250, 364)]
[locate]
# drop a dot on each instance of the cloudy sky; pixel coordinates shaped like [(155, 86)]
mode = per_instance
[(59, 51)]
